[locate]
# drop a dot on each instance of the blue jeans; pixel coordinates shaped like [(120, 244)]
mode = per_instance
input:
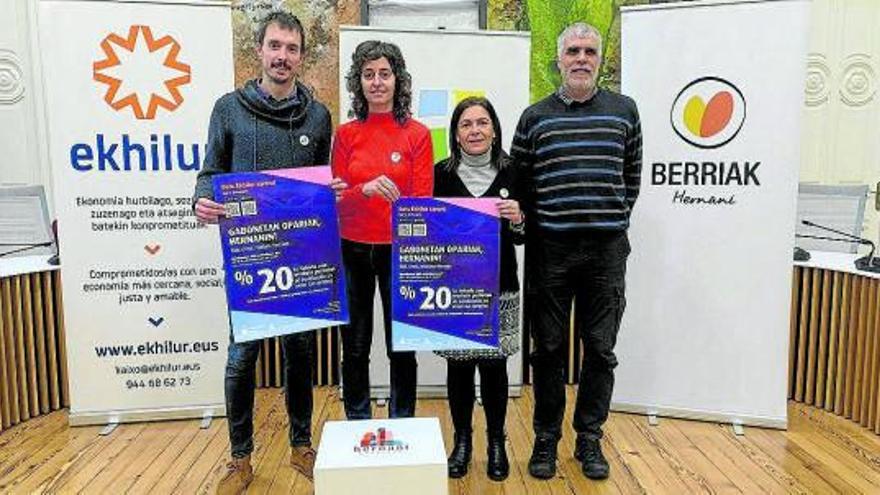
[(241, 382), (365, 264), (589, 268)]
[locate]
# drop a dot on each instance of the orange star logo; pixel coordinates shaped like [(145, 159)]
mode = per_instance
[(141, 72)]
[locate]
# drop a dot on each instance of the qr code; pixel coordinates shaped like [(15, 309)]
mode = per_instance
[(420, 230), (249, 208), (232, 209), (404, 230)]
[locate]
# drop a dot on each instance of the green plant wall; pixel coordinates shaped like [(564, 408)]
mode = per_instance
[(546, 19)]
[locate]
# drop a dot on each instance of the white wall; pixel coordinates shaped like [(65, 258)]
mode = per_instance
[(22, 140), (841, 125), (842, 105)]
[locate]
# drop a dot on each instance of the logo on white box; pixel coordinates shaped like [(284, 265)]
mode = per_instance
[(381, 440)]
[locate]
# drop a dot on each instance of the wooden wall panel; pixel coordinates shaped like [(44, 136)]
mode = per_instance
[(821, 359), (800, 371), (24, 409), (31, 353), (5, 398), (864, 362), (834, 362), (873, 369), (793, 325), (52, 348), (842, 336), (851, 345), (813, 337), (868, 288), (62, 340), (40, 337), (27, 316), (10, 346), (833, 336)]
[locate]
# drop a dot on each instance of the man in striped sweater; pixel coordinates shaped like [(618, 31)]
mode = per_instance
[(580, 149)]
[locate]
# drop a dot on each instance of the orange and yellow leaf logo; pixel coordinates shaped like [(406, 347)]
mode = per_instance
[(706, 120), (141, 72), (709, 112)]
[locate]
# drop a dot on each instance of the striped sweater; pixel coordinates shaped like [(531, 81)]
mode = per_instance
[(582, 160)]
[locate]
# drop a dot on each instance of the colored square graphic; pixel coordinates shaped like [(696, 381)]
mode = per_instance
[(433, 103), (460, 94), (440, 140)]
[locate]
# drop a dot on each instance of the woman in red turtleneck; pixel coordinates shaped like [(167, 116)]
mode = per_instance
[(382, 155)]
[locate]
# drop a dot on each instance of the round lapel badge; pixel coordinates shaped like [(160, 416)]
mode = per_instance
[(395, 157), (304, 140), (504, 193)]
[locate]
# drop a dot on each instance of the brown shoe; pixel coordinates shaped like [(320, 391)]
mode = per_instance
[(302, 459), (239, 475)]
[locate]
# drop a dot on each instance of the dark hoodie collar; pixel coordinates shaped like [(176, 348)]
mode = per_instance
[(294, 94), (289, 111)]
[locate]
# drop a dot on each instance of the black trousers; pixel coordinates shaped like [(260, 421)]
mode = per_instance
[(240, 383), (589, 269), (366, 264), (462, 392)]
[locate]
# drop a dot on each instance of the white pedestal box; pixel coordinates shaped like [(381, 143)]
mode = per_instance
[(381, 456)]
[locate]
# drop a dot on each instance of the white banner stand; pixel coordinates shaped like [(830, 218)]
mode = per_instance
[(720, 89), (129, 91)]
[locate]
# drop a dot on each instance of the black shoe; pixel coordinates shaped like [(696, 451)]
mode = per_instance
[(542, 464), (593, 463), (457, 464), (580, 447), (498, 467)]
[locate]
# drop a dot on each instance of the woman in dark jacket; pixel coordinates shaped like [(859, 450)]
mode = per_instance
[(478, 167)]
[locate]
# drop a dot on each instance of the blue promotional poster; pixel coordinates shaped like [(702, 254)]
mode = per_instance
[(445, 274), (281, 252)]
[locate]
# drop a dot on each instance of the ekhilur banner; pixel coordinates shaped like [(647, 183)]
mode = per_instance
[(129, 91)]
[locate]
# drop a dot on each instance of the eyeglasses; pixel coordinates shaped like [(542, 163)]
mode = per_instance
[(383, 75)]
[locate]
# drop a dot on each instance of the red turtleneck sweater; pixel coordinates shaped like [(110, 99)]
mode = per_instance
[(365, 150)]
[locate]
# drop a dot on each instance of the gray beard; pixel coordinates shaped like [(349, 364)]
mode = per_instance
[(587, 87)]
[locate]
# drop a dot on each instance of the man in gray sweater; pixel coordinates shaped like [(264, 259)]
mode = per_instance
[(580, 150), (272, 122)]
